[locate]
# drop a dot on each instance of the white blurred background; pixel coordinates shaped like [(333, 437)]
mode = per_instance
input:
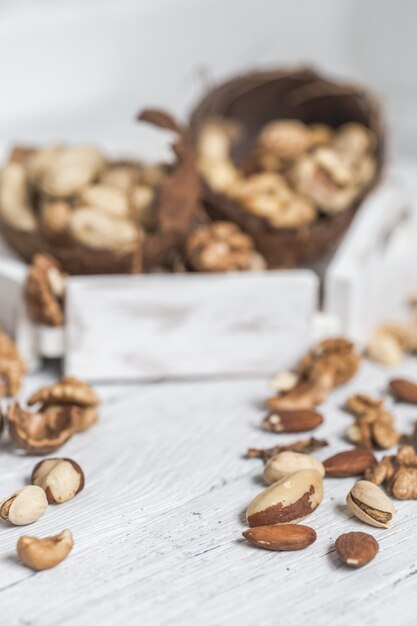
[(81, 69)]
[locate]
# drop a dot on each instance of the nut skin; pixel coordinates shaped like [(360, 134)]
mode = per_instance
[(295, 421), (68, 390), (284, 537), (61, 479), (25, 506), (288, 500), (349, 463), (40, 554), (356, 549), (287, 462), (404, 390), (301, 445), (370, 504)]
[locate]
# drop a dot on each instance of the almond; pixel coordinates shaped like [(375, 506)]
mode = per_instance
[(349, 463), (283, 537), (284, 421), (404, 390), (356, 549)]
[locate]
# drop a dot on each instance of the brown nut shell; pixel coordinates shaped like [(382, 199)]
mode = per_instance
[(284, 537), (68, 390), (356, 549), (349, 463), (42, 432), (289, 500)]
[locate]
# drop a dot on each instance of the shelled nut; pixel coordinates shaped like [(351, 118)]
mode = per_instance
[(291, 499), (25, 506), (356, 549), (287, 421), (61, 479), (349, 463), (404, 390), (284, 537), (370, 504), (40, 554), (287, 463)]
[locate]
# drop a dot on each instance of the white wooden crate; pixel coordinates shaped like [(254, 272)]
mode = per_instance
[(167, 326)]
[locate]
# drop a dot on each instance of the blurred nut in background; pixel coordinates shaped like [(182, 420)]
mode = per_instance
[(288, 462), (12, 368), (25, 506), (41, 432), (40, 554), (222, 247), (61, 479)]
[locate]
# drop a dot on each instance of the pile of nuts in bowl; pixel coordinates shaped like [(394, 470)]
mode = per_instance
[(295, 478), (296, 172), (64, 409)]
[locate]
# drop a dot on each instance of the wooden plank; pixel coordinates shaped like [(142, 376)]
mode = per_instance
[(130, 328)]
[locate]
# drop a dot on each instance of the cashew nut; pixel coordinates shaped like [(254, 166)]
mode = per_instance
[(44, 553), (15, 208), (94, 229)]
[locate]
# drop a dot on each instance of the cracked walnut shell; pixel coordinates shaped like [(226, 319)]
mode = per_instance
[(42, 432), (68, 390), (45, 290), (222, 247)]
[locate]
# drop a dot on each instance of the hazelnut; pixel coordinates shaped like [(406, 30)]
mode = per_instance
[(61, 479), (44, 553), (25, 506)]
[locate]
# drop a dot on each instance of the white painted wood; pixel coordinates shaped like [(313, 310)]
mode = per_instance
[(372, 274), (127, 328), (158, 526)]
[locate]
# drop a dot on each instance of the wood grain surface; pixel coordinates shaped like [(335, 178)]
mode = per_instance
[(158, 526)]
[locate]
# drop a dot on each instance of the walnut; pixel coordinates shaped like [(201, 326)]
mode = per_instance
[(374, 425), (12, 368), (222, 247), (398, 472), (328, 364), (403, 484), (68, 390), (380, 472), (75, 395), (42, 432), (269, 196), (45, 291)]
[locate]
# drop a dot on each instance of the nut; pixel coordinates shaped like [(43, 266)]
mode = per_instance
[(54, 220), (349, 463), (40, 554), (70, 170), (304, 395), (222, 247), (301, 445), (44, 291), (370, 504), (42, 432), (283, 537), (356, 549), (399, 472), (288, 462), (284, 381), (403, 484), (15, 207), (334, 358), (381, 472), (282, 421), (83, 417), (67, 390), (95, 229), (107, 199), (25, 506), (289, 500), (61, 479), (12, 368), (404, 390), (384, 347), (374, 424)]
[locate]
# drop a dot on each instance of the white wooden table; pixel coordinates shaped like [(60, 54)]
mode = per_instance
[(158, 526)]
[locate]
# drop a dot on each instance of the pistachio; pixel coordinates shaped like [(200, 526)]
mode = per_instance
[(25, 506), (61, 479), (287, 462), (370, 504), (289, 500), (40, 554)]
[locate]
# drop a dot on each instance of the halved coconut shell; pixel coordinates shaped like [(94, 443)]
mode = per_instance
[(252, 100)]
